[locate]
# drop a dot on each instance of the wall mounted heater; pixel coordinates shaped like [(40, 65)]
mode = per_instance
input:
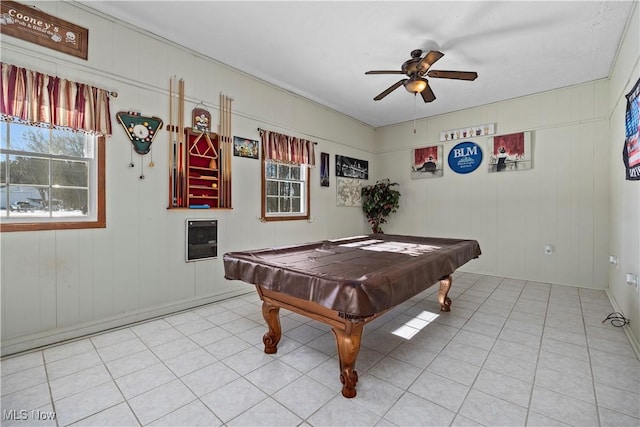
[(202, 239)]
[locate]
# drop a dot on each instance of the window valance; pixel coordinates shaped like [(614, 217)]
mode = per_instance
[(287, 149), (39, 98)]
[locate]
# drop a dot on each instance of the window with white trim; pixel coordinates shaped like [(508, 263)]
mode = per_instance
[(286, 191)]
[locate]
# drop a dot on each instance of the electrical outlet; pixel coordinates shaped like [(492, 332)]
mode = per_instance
[(613, 259), (548, 249), (632, 280)]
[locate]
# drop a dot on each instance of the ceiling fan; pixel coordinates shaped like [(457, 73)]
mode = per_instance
[(415, 69)]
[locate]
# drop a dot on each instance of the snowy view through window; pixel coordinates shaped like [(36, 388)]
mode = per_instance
[(45, 173)]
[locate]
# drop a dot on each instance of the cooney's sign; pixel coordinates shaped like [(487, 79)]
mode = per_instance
[(35, 26)]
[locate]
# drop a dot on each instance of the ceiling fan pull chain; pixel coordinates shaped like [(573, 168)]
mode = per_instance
[(415, 95)]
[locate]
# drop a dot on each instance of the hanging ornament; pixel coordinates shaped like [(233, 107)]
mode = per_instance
[(140, 129)]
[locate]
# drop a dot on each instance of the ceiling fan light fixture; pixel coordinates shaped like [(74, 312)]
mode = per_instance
[(417, 67), (415, 85)]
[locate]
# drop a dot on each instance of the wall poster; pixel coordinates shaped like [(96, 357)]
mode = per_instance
[(348, 167), (426, 162), (631, 150), (244, 147), (510, 152), (348, 192), (324, 169)]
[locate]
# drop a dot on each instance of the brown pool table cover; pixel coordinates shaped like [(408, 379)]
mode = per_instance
[(358, 276)]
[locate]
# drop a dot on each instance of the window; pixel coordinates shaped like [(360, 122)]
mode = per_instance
[(285, 191), (50, 177)]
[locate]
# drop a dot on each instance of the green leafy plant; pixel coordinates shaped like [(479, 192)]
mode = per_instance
[(378, 202)]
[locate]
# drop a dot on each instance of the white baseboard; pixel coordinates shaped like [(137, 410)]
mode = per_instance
[(37, 341), (627, 330)]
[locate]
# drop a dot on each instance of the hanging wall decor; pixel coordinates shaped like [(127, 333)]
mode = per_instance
[(426, 162), (348, 192), (468, 132), (141, 130), (243, 147), (199, 160), (465, 157), (176, 145), (202, 172), (631, 149), (35, 26), (348, 167), (226, 150), (510, 152), (201, 119), (324, 169)]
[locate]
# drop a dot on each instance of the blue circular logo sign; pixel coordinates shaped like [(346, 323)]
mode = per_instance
[(465, 157)]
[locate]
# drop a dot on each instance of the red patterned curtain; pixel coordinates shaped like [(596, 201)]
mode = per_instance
[(38, 98), (287, 149)]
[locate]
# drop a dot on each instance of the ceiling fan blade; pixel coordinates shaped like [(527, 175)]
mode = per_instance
[(427, 94), (385, 72), (389, 90), (428, 60), (458, 75)]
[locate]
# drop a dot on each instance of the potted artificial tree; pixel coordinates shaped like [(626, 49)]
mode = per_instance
[(378, 202)]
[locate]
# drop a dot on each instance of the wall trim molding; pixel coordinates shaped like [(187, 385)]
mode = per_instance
[(36, 342)]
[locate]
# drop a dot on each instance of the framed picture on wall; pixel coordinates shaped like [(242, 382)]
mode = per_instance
[(510, 152), (348, 192), (348, 167), (324, 169), (631, 149), (243, 147), (426, 162)]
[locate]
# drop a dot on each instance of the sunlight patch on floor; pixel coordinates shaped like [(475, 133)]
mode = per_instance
[(415, 325)]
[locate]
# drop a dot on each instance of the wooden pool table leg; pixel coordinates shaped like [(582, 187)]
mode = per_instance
[(271, 315), (443, 299), (348, 343)]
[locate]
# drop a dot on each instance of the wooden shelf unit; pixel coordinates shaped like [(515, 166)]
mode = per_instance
[(203, 169)]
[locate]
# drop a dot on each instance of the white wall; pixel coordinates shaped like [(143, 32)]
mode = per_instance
[(624, 196), (561, 201), (61, 284)]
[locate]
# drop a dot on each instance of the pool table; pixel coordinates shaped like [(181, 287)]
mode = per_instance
[(346, 283)]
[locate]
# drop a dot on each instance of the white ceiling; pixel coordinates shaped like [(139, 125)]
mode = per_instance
[(321, 50)]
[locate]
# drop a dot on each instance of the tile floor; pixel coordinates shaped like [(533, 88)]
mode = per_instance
[(510, 353)]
